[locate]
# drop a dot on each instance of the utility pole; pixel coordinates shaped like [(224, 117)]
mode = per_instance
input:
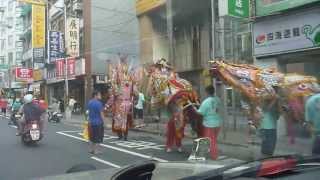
[(68, 113), (170, 30), (65, 58)]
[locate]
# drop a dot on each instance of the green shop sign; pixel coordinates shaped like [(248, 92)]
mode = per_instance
[(267, 7), (238, 8), (235, 8)]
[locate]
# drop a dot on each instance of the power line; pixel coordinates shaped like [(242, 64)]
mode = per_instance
[(118, 24), (114, 31), (114, 10)]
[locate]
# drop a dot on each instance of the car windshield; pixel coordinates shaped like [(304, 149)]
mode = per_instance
[(195, 85)]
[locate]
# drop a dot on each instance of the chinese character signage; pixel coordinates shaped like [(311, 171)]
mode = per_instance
[(60, 67), (238, 8), (287, 33), (55, 43), (71, 66), (38, 55), (266, 7), (38, 26), (143, 6), (235, 8), (72, 37), (24, 74)]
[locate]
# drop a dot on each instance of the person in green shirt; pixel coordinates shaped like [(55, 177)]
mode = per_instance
[(268, 126), (312, 116), (211, 120)]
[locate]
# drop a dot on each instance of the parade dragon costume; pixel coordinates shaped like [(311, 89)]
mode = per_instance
[(257, 84), (171, 93), (123, 80)]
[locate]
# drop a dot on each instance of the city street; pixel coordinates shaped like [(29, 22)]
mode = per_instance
[(63, 147)]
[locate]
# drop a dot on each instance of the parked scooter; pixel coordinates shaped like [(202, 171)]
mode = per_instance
[(54, 116)]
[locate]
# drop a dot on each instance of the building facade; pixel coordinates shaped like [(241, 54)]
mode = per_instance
[(56, 51), (190, 33), (110, 30), (286, 35), (11, 46)]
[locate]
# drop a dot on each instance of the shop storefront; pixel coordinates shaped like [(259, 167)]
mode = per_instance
[(290, 42), (56, 82)]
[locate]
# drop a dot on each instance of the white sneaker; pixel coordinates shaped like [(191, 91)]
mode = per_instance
[(169, 150), (180, 149)]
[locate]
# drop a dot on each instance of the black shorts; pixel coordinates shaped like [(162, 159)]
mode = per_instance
[(138, 113), (96, 133), (3, 110)]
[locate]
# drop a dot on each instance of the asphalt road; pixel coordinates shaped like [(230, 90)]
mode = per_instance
[(63, 147)]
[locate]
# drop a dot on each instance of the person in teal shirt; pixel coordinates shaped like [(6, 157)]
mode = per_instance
[(16, 105), (268, 127), (211, 120), (312, 116)]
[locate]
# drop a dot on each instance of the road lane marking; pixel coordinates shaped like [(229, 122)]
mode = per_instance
[(137, 144), (105, 162), (116, 148), (140, 145), (7, 117), (134, 144), (71, 131), (134, 153), (75, 137), (106, 137), (13, 126)]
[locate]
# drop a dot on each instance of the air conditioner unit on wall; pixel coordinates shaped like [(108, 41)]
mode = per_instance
[(101, 79)]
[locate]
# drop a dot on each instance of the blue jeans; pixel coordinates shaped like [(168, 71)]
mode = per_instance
[(269, 140)]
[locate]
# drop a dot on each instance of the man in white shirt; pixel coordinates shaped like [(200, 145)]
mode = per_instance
[(138, 110), (72, 101)]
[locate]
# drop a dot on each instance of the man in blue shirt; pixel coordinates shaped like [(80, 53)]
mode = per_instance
[(96, 122)]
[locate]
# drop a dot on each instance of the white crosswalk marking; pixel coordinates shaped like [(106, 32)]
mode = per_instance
[(109, 137), (139, 145)]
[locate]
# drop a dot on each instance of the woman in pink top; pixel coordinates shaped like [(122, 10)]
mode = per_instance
[(3, 105)]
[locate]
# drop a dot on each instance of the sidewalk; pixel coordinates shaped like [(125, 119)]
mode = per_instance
[(233, 143)]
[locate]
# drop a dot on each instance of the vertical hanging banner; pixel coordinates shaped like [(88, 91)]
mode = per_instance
[(72, 37), (55, 45), (59, 68), (71, 66), (38, 32)]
